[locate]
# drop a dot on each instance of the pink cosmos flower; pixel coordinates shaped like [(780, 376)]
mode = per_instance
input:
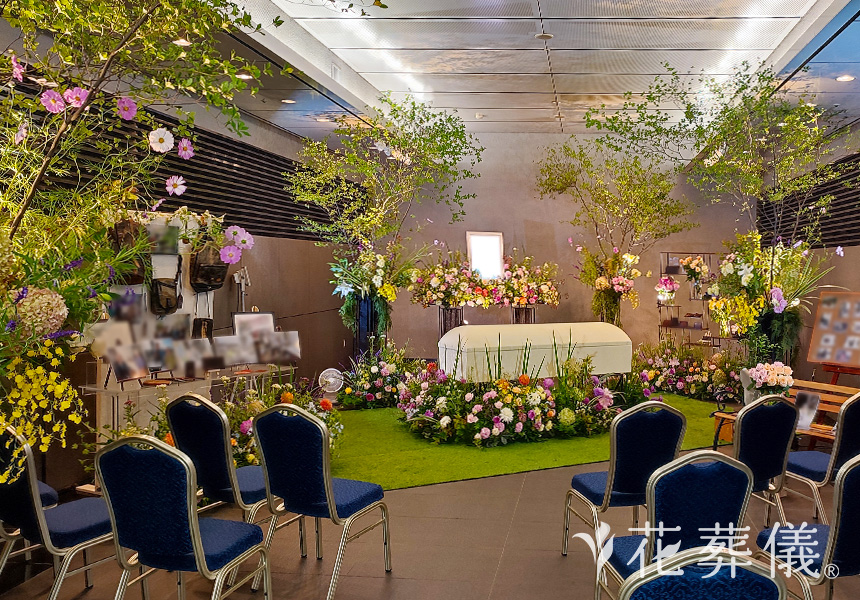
[(175, 184), (52, 101), (17, 69), (233, 232), (245, 241), (21, 134), (126, 108), (185, 149), (76, 96), (231, 255)]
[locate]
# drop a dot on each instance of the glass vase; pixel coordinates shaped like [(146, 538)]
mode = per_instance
[(665, 297), (695, 289)]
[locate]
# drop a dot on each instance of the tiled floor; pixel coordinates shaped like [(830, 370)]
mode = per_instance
[(495, 538)]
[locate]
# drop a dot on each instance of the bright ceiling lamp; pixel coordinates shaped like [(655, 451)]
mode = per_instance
[(845, 78)]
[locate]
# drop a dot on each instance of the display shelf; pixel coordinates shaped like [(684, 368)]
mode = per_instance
[(687, 320)]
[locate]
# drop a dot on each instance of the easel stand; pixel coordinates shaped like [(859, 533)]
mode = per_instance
[(837, 370)]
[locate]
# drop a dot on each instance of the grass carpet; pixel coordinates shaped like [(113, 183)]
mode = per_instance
[(377, 447)]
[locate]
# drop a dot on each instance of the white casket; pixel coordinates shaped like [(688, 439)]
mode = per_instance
[(464, 351)]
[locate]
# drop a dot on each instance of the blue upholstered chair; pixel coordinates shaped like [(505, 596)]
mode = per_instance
[(832, 551), (816, 469), (151, 491), (749, 579), (11, 535), (64, 531), (294, 448), (764, 432), (642, 438), (695, 492)]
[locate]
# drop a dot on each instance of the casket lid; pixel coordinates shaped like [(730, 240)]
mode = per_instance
[(538, 335)]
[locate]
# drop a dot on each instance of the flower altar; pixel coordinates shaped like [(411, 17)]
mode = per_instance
[(377, 377), (521, 409)]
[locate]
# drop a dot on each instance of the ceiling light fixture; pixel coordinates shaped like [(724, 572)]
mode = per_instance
[(480, 116), (543, 36), (845, 78), (288, 101), (323, 120), (182, 42)]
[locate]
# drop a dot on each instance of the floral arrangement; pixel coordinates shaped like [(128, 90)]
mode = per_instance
[(452, 283), (203, 231), (522, 409), (667, 368), (613, 279), (377, 377), (771, 378), (695, 267), (666, 288), (760, 290)]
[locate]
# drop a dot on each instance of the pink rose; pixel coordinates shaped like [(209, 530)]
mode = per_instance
[(485, 433)]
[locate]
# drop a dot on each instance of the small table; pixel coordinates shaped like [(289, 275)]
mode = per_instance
[(816, 432)]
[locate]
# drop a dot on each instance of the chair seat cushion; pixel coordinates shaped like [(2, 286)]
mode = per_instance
[(75, 522), (47, 494), (351, 496), (624, 550), (806, 549), (700, 581), (251, 484), (222, 541), (593, 487), (809, 463)]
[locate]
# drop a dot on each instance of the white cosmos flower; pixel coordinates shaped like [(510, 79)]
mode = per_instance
[(161, 140)]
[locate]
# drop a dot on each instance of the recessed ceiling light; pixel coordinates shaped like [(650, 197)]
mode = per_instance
[(244, 75), (288, 101), (845, 78), (323, 120), (543, 36), (480, 116), (182, 42)]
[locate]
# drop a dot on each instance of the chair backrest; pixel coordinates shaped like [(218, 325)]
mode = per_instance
[(201, 430), (764, 432), (643, 438), (20, 506), (847, 443), (694, 493), (150, 490), (747, 579), (844, 544), (294, 450)]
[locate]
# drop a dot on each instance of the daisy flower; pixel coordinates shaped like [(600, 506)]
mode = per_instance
[(126, 108), (52, 101), (175, 185), (231, 255), (76, 96), (161, 140), (186, 150), (17, 69)]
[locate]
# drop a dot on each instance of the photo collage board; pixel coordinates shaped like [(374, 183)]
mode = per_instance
[(836, 333)]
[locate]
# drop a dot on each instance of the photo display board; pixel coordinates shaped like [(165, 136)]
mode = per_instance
[(836, 333)]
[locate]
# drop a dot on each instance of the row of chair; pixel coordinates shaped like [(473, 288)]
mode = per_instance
[(150, 499), (644, 469)]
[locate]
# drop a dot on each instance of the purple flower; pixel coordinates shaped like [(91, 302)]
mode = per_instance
[(518, 427), (11, 325), (646, 392), (61, 334), (231, 255), (840, 251), (428, 414), (797, 244), (548, 383), (74, 264), (531, 415), (22, 293), (93, 292), (52, 101), (245, 241), (126, 108), (185, 149), (157, 205), (680, 385), (777, 300), (17, 69), (76, 96), (245, 427), (175, 184), (21, 134), (233, 232)]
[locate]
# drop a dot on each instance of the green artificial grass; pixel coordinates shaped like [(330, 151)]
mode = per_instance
[(377, 447)]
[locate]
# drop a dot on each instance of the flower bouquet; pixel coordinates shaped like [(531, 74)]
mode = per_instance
[(449, 283), (377, 377), (525, 284), (613, 279), (697, 272), (771, 378), (666, 288)]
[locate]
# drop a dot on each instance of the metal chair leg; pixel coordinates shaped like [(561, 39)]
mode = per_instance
[(88, 579), (318, 530), (56, 565), (144, 585), (594, 523), (180, 585), (386, 538), (60, 575), (219, 584), (636, 517), (768, 498), (270, 534), (267, 578), (566, 532), (5, 552), (303, 547), (123, 584), (338, 561)]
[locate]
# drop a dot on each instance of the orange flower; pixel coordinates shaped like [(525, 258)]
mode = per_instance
[(233, 442), (325, 404), (524, 379), (168, 439), (550, 414), (287, 398), (431, 367)]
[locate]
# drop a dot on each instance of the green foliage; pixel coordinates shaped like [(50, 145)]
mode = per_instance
[(384, 165), (751, 141), (622, 199)]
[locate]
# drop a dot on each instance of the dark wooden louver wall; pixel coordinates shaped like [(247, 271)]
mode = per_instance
[(241, 181), (839, 226)]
